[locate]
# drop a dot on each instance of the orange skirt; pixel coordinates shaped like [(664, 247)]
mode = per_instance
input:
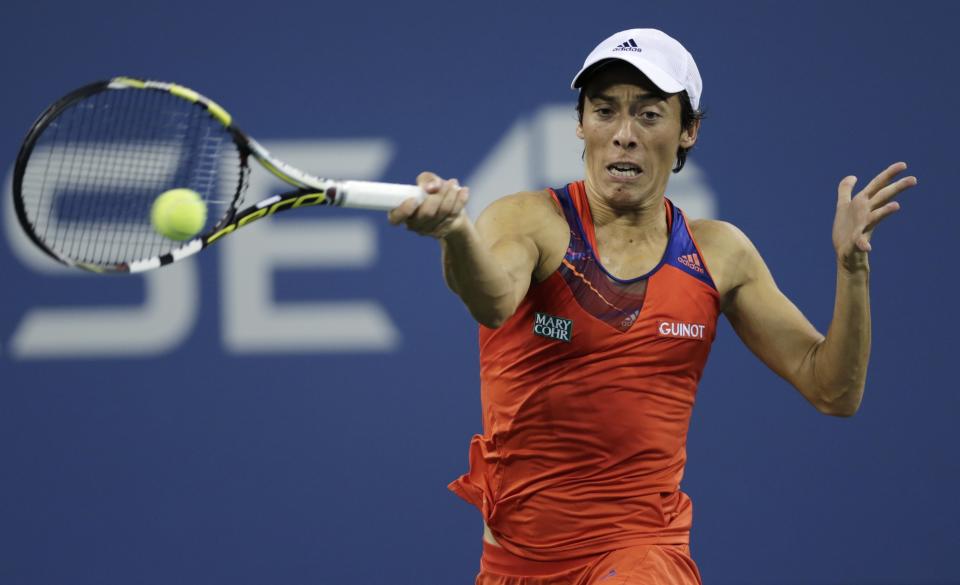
[(648, 564)]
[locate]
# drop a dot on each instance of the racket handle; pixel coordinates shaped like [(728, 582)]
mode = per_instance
[(381, 196)]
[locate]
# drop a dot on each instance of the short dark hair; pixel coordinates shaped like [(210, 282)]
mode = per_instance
[(688, 117)]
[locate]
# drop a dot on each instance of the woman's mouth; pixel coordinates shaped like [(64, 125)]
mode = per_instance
[(624, 170)]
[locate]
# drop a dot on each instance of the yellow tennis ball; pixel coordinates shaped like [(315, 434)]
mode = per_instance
[(179, 214)]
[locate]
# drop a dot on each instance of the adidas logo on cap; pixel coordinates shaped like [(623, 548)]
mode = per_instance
[(630, 45)]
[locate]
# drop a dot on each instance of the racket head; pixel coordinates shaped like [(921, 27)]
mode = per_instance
[(93, 163)]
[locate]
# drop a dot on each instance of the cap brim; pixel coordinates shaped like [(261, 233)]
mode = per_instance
[(655, 74)]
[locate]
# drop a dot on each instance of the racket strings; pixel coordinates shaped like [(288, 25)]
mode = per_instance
[(96, 169)]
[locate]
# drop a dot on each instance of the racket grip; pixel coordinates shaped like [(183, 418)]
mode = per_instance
[(381, 196)]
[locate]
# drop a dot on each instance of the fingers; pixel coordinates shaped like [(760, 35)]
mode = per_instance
[(883, 196), (845, 189), (883, 179), (428, 181), (878, 215), (401, 213), (450, 206), (436, 196), (444, 203), (435, 210), (858, 215)]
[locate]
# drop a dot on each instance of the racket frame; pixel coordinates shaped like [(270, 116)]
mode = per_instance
[(308, 190)]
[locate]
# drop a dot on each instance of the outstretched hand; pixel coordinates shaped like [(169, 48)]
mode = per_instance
[(437, 215), (858, 215)]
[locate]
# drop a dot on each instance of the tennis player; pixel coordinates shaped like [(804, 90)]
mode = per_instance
[(598, 302)]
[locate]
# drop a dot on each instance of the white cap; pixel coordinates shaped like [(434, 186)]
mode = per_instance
[(657, 55)]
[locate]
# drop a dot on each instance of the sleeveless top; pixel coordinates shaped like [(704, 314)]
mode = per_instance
[(587, 392)]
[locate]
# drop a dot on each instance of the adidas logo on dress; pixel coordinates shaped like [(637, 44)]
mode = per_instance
[(691, 261)]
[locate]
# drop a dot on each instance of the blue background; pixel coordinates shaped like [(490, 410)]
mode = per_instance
[(204, 465)]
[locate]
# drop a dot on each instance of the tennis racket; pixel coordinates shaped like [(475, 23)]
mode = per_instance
[(94, 162)]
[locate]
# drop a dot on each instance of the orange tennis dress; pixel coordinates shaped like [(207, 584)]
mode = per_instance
[(587, 392)]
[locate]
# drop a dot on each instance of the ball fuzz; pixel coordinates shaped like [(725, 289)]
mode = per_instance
[(179, 214)]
